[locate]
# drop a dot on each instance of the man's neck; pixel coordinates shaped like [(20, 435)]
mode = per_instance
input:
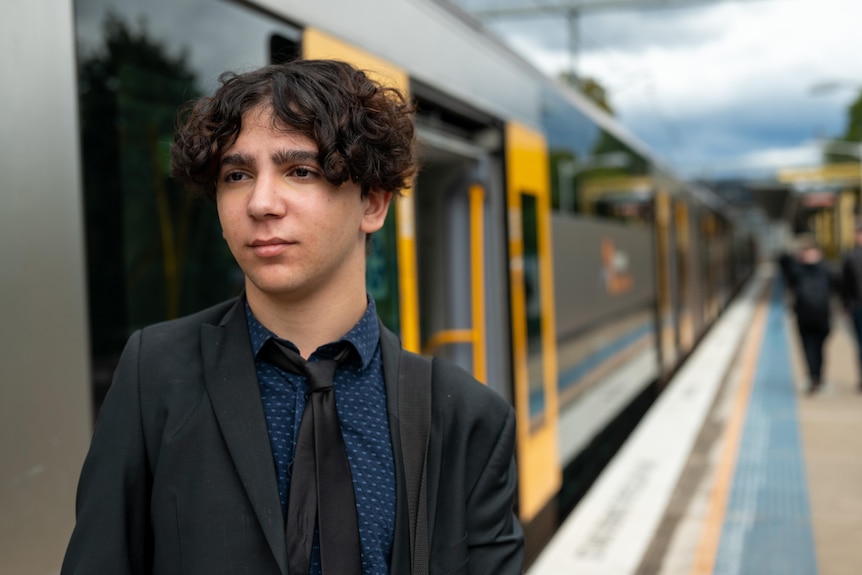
[(312, 321)]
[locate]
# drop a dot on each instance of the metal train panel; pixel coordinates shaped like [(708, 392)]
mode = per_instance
[(492, 77), (605, 285), (603, 269), (45, 406)]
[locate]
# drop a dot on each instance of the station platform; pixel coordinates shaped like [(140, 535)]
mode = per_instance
[(735, 469)]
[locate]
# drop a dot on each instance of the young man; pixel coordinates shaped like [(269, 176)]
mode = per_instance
[(852, 292), (196, 458)]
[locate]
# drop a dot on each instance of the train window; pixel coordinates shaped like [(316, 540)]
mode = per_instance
[(283, 49), (533, 307), (593, 173), (153, 252), (380, 279)]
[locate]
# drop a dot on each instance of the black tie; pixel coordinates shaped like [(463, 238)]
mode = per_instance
[(321, 487)]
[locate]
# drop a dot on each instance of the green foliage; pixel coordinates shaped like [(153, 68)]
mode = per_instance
[(590, 88), (853, 132)]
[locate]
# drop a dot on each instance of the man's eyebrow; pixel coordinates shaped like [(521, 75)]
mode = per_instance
[(293, 156), (237, 160)]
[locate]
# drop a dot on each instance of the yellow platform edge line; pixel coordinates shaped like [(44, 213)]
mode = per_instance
[(722, 482)]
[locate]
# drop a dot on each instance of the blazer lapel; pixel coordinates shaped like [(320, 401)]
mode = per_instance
[(231, 381), (390, 348)]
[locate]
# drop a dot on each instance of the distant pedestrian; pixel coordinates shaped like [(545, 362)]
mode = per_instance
[(813, 283), (852, 292)]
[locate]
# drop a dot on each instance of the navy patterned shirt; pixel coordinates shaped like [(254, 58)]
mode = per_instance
[(360, 398)]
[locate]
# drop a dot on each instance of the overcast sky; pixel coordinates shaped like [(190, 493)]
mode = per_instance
[(716, 88)]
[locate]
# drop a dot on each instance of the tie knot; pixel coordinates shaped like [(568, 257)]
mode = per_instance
[(320, 372)]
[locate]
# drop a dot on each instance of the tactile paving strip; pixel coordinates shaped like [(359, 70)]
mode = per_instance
[(767, 527)]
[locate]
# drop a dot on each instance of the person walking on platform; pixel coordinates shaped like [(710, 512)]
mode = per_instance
[(851, 291), (813, 283), (285, 431)]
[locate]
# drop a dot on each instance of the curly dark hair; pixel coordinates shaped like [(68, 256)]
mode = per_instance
[(363, 130)]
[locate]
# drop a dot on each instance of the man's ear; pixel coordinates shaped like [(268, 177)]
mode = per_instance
[(376, 207)]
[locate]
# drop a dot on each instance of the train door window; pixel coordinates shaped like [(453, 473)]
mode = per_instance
[(153, 251), (381, 279), (663, 259), (683, 255), (533, 301)]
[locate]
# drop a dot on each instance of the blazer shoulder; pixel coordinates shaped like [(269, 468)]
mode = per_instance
[(164, 365), (450, 382), (172, 349), (188, 326)]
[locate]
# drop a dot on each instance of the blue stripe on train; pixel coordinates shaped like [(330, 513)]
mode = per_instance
[(581, 369)]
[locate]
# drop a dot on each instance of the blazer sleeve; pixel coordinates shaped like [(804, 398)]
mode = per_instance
[(112, 532), (495, 539)]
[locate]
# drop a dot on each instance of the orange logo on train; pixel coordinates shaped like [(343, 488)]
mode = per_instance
[(615, 265)]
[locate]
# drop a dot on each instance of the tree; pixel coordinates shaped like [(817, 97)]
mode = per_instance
[(853, 132), (590, 88)]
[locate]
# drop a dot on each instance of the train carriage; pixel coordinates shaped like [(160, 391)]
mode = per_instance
[(542, 247)]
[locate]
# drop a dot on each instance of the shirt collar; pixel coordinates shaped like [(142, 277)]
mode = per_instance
[(363, 336)]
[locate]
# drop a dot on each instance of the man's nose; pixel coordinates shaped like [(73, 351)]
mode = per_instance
[(267, 198)]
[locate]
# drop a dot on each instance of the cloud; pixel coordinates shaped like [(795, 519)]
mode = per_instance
[(759, 164), (724, 82)]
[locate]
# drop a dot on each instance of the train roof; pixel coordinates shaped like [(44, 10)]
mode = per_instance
[(440, 44)]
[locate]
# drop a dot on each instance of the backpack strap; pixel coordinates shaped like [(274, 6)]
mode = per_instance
[(414, 416), (853, 276)]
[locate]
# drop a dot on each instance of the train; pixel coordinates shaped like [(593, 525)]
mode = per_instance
[(542, 247)]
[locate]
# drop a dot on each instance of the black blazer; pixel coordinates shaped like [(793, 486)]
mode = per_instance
[(180, 477)]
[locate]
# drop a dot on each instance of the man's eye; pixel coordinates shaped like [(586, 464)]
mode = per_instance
[(302, 172), (235, 177)]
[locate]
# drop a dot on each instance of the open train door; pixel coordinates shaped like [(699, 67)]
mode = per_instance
[(460, 206)]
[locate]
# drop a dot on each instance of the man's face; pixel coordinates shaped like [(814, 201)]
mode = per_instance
[(810, 255), (294, 234)]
